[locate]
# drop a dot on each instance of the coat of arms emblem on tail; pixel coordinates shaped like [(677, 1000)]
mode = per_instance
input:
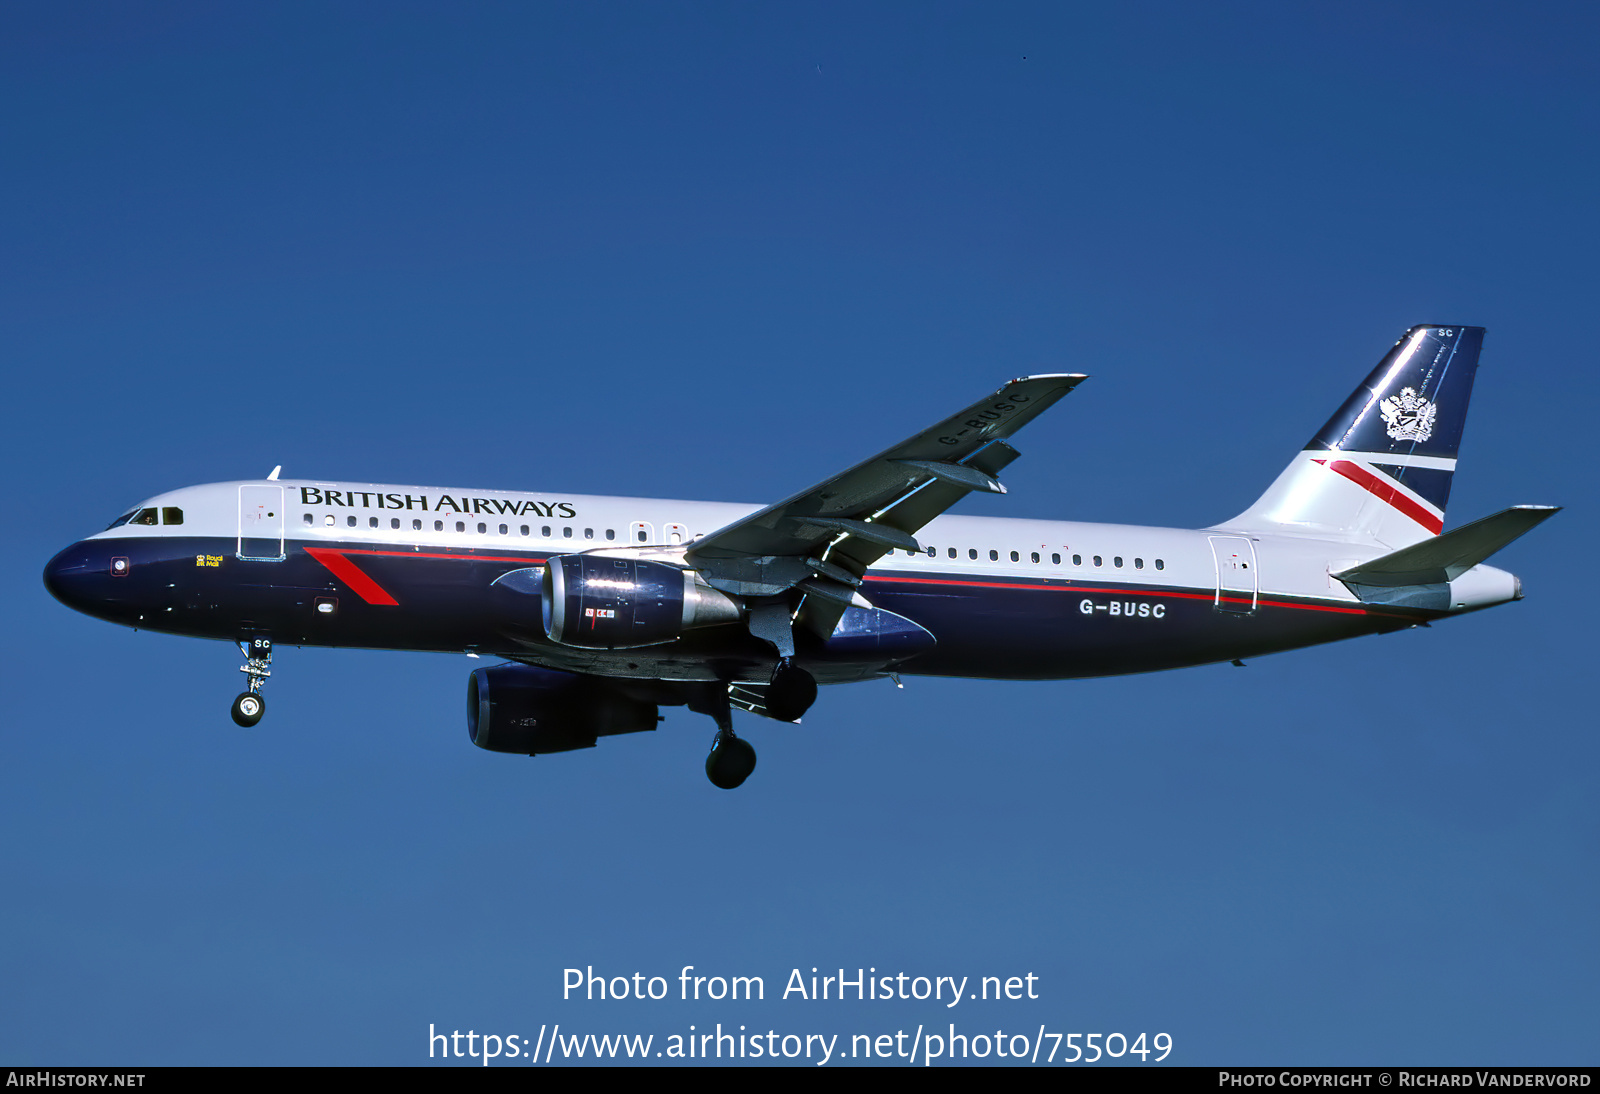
[(1408, 415)]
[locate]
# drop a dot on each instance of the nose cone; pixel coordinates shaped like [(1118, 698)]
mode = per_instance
[(70, 574)]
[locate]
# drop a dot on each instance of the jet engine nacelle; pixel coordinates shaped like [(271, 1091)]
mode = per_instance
[(608, 603), (526, 709)]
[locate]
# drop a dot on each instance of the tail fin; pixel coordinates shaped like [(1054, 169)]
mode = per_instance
[(1380, 470)]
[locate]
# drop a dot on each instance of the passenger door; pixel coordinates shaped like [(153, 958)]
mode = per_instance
[(1235, 558), (261, 523)]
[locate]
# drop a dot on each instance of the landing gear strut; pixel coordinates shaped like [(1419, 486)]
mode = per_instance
[(250, 704), (731, 758)]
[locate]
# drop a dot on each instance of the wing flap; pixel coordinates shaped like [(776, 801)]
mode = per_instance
[(804, 523), (913, 511)]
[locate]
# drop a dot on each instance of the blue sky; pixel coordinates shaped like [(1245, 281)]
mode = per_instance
[(720, 251)]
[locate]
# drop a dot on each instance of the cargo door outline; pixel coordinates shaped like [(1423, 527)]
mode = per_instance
[(1235, 560), (261, 524)]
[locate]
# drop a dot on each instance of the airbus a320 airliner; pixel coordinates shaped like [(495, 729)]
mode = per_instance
[(606, 608)]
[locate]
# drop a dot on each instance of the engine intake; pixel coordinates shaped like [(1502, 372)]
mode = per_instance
[(526, 709)]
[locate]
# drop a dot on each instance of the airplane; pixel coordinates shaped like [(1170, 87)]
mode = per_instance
[(605, 609)]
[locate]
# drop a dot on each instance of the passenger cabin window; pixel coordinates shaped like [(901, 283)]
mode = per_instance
[(350, 521), (567, 533), (416, 525), (438, 526), (524, 529), (1160, 565), (482, 527), (461, 526), (328, 520), (504, 530), (1117, 561), (1036, 556), (171, 514), (394, 522), (972, 552), (588, 533), (1017, 558), (1077, 560), (1138, 564), (1097, 560), (372, 522), (307, 517), (611, 533), (952, 552), (1055, 560)]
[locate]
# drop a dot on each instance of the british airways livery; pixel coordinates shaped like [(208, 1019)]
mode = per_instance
[(604, 609)]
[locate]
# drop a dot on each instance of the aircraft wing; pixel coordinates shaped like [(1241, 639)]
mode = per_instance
[(823, 539)]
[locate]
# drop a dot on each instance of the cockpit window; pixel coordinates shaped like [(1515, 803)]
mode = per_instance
[(143, 516), (123, 519), (171, 514)]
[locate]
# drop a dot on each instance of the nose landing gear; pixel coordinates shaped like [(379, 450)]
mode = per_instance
[(250, 704)]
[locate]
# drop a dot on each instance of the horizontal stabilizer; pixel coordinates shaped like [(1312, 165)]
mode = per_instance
[(1446, 557)]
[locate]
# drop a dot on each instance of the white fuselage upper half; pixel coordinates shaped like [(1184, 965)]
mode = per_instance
[(424, 518)]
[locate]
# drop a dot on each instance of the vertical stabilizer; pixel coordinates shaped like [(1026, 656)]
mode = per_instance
[(1380, 470)]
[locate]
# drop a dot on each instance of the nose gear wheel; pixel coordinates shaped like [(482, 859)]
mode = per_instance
[(248, 709), (250, 705)]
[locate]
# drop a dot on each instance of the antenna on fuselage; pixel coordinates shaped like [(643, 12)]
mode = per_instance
[(274, 476)]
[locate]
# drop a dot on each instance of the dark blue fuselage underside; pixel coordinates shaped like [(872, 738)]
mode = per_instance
[(990, 627)]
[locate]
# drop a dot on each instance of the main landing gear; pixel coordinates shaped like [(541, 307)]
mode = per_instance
[(791, 692), (785, 698), (251, 705), (731, 758)]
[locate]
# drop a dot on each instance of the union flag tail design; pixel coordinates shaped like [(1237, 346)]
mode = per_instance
[(1380, 470)]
